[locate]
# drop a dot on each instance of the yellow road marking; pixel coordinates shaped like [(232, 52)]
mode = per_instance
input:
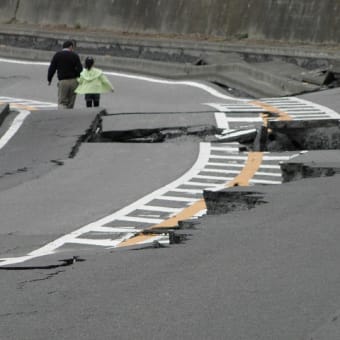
[(253, 163), (282, 114), (183, 215)]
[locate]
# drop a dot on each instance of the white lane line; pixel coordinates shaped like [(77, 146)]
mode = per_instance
[(220, 178), (260, 181), (231, 157), (327, 110), (15, 126), (201, 86), (198, 85), (226, 149), (24, 62), (241, 110), (113, 230), (160, 209), (149, 215), (236, 133), (244, 119), (50, 248), (292, 105), (227, 157), (221, 120), (189, 191), (8, 99), (225, 165), (200, 184), (94, 242), (140, 219), (305, 104), (225, 146), (277, 158), (226, 171), (270, 174), (265, 166), (227, 107), (44, 105), (303, 110), (178, 199)]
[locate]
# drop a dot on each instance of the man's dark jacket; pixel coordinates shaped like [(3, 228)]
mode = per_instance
[(67, 64)]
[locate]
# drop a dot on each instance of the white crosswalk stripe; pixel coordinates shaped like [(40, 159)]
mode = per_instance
[(237, 117), (161, 209), (294, 106)]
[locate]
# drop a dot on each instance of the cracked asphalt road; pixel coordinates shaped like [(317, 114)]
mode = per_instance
[(267, 273)]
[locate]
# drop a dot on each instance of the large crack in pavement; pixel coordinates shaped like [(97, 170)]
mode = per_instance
[(320, 137), (63, 263), (62, 134), (159, 135), (273, 136)]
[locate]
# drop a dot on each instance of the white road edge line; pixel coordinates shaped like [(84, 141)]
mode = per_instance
[(15, 126), (51, 247)]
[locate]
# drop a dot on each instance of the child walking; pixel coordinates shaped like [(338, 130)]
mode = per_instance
[(92, 82)]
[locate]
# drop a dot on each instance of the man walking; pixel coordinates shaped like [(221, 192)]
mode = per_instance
[(68, 66)]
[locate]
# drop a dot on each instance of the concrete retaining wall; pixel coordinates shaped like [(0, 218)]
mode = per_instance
[(7, 10), (293, 20)]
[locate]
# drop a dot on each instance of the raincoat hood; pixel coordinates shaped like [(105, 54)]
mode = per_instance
[(91, 74)]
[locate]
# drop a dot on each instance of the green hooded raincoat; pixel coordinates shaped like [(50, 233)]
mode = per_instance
[(93, 81)]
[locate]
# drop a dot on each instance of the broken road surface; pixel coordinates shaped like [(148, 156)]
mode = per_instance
[(266, 268)]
